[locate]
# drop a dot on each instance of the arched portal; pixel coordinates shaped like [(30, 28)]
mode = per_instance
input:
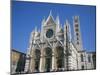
[(60, 57), (48, 59), (37, 59)]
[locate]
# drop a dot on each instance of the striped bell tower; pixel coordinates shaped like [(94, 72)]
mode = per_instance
[(77, 33)]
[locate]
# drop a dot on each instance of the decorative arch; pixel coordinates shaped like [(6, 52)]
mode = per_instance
[(58, 44)]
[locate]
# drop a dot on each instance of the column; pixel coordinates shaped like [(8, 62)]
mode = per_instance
[(65, 59), (54, 60), (42, 61), (32, 61)]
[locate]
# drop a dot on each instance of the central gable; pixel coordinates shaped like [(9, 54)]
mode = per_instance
[(50, 20)]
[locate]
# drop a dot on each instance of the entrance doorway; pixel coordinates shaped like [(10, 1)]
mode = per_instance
[(48, 57)]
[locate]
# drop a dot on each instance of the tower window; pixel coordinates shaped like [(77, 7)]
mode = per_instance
[(76, 25), (77, 34), (77, 38), (76, 20), (76, 30)]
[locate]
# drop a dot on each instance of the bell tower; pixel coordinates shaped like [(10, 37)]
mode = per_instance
[(77, 33)]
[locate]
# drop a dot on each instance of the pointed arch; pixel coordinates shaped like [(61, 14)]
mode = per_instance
[(37, 59), (48, 58)]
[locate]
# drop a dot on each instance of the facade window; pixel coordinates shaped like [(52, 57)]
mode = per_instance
[(82, 58), (49, 33)]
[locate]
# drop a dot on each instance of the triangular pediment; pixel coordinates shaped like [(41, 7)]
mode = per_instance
[(58, 44), (50, 21), (47, 44)]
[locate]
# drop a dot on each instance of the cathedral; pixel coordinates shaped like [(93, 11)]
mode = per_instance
[(52, 49)]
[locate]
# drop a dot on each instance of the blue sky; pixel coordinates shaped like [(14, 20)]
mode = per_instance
[(27, 15)]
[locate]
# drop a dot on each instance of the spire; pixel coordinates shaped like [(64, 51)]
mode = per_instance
[(35, 29), (70, 37), (50, 19), (77, 32), (67, 24), (43, 21), (58, 26), (50, 14), (37, 33), (32, 32), (39, 30), (59, 29), (68, 29), (57, 20)]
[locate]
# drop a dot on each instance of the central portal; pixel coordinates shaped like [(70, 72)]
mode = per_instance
[(48, 57)]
